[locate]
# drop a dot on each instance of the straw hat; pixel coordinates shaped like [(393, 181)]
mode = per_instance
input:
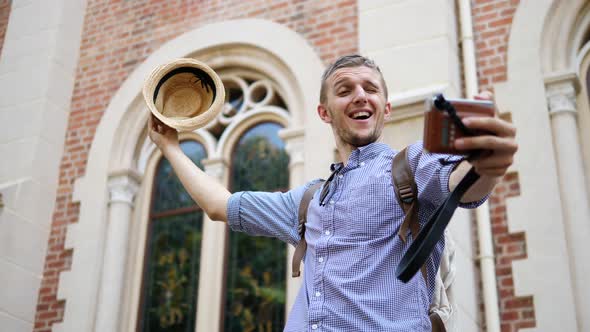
[(185, 94)]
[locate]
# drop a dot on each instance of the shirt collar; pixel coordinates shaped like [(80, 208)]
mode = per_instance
[(362, 154)]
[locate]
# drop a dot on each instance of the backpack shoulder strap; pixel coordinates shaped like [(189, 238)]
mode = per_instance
[(406, 193), (302, 217)]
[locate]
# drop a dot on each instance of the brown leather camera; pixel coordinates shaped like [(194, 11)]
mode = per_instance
[(441, 130)]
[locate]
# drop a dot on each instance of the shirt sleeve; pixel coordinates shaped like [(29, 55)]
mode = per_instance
[(267, 214), (432, 176)]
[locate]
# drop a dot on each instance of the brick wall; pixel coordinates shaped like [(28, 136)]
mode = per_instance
[(515, 312), (117, 36), (5, 6), (492, 22)]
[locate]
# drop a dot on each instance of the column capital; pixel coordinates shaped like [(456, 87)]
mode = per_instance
[(123, 185), (215, 167), (561, 90), (287, 134), (294, 144)]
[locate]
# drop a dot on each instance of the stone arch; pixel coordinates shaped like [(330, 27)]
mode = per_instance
[(566, 30), (544, 40), (121, 129), (240, 125)]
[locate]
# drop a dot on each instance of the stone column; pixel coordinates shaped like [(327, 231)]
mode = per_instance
[(122, 187), (211, 282), (561, 95), (294, 144), (37, 73)]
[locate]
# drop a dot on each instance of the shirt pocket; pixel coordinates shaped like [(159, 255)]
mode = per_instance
[(370, 211)]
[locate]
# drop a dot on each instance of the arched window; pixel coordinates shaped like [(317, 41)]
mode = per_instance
[(171, 267), (251, 289), (255, 298)]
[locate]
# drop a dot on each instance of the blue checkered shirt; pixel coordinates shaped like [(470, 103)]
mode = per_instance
[(353, 247)]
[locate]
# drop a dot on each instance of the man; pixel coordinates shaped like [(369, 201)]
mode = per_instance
[(353, 250)]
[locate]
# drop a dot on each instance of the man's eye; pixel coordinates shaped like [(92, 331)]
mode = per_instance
[(343, 92)]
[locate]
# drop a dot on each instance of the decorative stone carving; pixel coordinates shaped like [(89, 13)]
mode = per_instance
[(123, 187), (561, 94), (294, 145), (245, 91), (215, 168)]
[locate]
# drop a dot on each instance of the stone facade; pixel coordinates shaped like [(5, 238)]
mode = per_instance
[(99, 56)]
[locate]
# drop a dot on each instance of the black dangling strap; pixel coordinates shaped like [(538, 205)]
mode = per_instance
[(443, 105), (434, 229), (424, 243)]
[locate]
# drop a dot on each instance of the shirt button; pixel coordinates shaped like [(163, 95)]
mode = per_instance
[(327, 232), (314, 327), (340, 176), (332, 202), (321, 259), (362, 163), (317, 294)]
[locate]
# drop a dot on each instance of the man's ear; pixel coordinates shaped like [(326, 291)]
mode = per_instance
[(324, 114), (387, 111)]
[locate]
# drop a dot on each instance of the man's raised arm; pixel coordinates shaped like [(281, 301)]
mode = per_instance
[(211, 196)]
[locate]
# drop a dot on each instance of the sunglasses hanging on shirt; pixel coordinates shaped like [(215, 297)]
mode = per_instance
[(326, 188)]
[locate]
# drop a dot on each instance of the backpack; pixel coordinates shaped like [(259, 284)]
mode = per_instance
[(441, 309)]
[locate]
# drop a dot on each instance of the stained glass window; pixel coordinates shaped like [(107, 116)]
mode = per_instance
[(173, 249), (256, 270)]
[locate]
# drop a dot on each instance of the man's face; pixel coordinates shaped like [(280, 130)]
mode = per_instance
[(355, 105)]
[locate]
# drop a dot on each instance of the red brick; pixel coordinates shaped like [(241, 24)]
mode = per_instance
[(509, 315), (506, 282), (501, 22), (40, 325), (528, 314), (519, 303), (42, 307), (503, 271), (48, 314)]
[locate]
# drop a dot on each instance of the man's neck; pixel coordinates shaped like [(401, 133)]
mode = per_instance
[(344, 154), (345, 151)]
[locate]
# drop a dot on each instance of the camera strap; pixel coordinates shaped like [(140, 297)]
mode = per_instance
[(433, 230)]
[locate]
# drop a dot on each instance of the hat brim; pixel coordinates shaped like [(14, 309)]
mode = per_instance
[(205, 80)]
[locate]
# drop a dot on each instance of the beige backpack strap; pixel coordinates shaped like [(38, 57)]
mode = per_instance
[(406, 193), (302, 217)]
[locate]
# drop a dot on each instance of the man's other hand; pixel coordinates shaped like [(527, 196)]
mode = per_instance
[(499, 147)]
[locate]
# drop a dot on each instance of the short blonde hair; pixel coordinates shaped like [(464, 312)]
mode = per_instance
[(346, 61)]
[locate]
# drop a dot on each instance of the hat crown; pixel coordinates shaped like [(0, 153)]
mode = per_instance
[(184, 94)]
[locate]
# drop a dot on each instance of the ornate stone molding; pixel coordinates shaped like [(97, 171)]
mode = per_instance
[(561, 91), (123, 186), (294, 144), (215, 167)]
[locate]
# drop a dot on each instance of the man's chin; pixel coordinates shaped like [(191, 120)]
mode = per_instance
[(358, 142)]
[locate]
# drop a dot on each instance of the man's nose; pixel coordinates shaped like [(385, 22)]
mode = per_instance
[(360, 96)]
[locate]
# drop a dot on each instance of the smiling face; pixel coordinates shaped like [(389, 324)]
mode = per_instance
[(355, 106)]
